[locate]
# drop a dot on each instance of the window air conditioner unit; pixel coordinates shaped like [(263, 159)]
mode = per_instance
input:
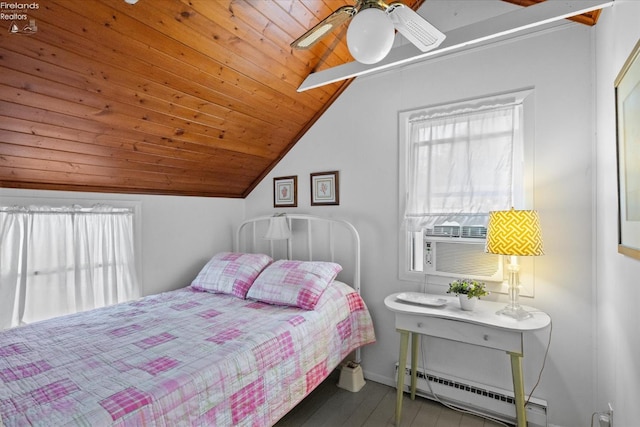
[(458, 251)]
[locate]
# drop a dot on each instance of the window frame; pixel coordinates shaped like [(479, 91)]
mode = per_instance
[(524, 201), (133, 206)]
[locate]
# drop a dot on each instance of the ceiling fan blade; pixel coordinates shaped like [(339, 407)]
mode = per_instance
[(323, 27), (414, 27)]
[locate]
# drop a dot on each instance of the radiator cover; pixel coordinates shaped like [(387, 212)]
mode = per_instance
[(487, 400)]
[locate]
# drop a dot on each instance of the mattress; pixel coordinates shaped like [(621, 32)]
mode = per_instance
[(184, 357)]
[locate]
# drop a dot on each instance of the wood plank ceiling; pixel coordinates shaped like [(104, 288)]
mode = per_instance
[(181, 97)]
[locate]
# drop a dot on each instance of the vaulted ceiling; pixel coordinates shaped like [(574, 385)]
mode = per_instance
[(183, 97)]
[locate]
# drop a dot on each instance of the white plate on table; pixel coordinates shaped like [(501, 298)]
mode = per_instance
[(422, 299)]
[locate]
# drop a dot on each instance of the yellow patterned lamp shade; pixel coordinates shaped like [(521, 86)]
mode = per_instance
[(514, 232)]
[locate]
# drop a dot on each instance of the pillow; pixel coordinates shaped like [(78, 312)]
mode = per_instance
[(231, 273), (294, 283)]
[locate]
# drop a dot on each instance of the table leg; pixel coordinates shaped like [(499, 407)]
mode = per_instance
[(518, 388), (414, 364), (402, 365)]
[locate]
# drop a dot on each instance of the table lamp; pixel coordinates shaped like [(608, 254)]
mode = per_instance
[(514, 233), (278, 228)]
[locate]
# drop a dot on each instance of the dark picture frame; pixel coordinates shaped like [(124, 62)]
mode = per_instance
[(285, 192), (627, 94), (325, 188)]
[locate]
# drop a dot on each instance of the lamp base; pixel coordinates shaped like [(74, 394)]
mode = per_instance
[(516, 312)]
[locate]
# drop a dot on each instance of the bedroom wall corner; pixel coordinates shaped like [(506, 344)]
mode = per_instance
[(617, 338)]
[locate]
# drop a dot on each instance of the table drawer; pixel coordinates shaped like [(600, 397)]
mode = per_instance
[(456, 330)]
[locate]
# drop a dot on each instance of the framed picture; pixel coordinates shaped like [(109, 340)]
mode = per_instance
[(325, 189), (627, 90), (285, 192)]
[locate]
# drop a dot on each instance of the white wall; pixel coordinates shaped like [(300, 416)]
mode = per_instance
[(177, 235), (358, 137), (618, 340)]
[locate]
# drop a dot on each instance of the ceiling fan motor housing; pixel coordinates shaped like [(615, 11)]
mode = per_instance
[(370, 34)]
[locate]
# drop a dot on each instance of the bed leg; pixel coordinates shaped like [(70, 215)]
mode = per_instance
[(351, 377)]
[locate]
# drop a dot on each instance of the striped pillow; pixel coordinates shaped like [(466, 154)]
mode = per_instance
[(294, 283), (231, 273)]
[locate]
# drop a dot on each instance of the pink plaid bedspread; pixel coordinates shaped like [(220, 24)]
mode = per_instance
[(179, 358)]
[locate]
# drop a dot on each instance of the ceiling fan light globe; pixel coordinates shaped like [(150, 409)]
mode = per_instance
[(370, 36)]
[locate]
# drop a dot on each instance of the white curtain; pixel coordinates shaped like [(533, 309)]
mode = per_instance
[(461, 164), (56, 261)]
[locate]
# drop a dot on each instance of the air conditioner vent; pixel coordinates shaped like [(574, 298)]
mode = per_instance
[(460, 256), (443, 231), (474, 232), (463, 231)]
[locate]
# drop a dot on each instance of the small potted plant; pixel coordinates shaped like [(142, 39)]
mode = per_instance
[(468, 291)]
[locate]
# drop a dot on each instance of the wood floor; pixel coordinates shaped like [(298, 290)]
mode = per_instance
[(373, 406)]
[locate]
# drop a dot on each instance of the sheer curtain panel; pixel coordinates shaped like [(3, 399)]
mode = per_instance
[(461, 164), (56, 261)]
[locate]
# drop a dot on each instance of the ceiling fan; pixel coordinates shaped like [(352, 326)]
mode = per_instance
[(503, 25), (372, 29)]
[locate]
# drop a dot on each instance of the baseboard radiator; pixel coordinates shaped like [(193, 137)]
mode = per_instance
[(483, 399)]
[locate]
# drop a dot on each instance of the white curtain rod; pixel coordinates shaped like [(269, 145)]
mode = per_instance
[(441, 113), (74, 209)]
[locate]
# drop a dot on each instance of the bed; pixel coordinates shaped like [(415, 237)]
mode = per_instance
[(241, 345)]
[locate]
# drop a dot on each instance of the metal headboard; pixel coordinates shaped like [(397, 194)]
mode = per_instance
[(313, 238)]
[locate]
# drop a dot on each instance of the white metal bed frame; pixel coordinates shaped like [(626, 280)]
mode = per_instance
[(307, 221), (255, 227)]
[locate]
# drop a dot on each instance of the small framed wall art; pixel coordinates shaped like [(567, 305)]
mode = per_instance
[(285, 192), (325, 188), (627, 91)]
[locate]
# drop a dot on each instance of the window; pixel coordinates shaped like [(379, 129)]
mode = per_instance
[(57, 261), (458, 162)]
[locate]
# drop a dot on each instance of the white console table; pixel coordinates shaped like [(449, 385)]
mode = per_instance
[(481, 327)]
